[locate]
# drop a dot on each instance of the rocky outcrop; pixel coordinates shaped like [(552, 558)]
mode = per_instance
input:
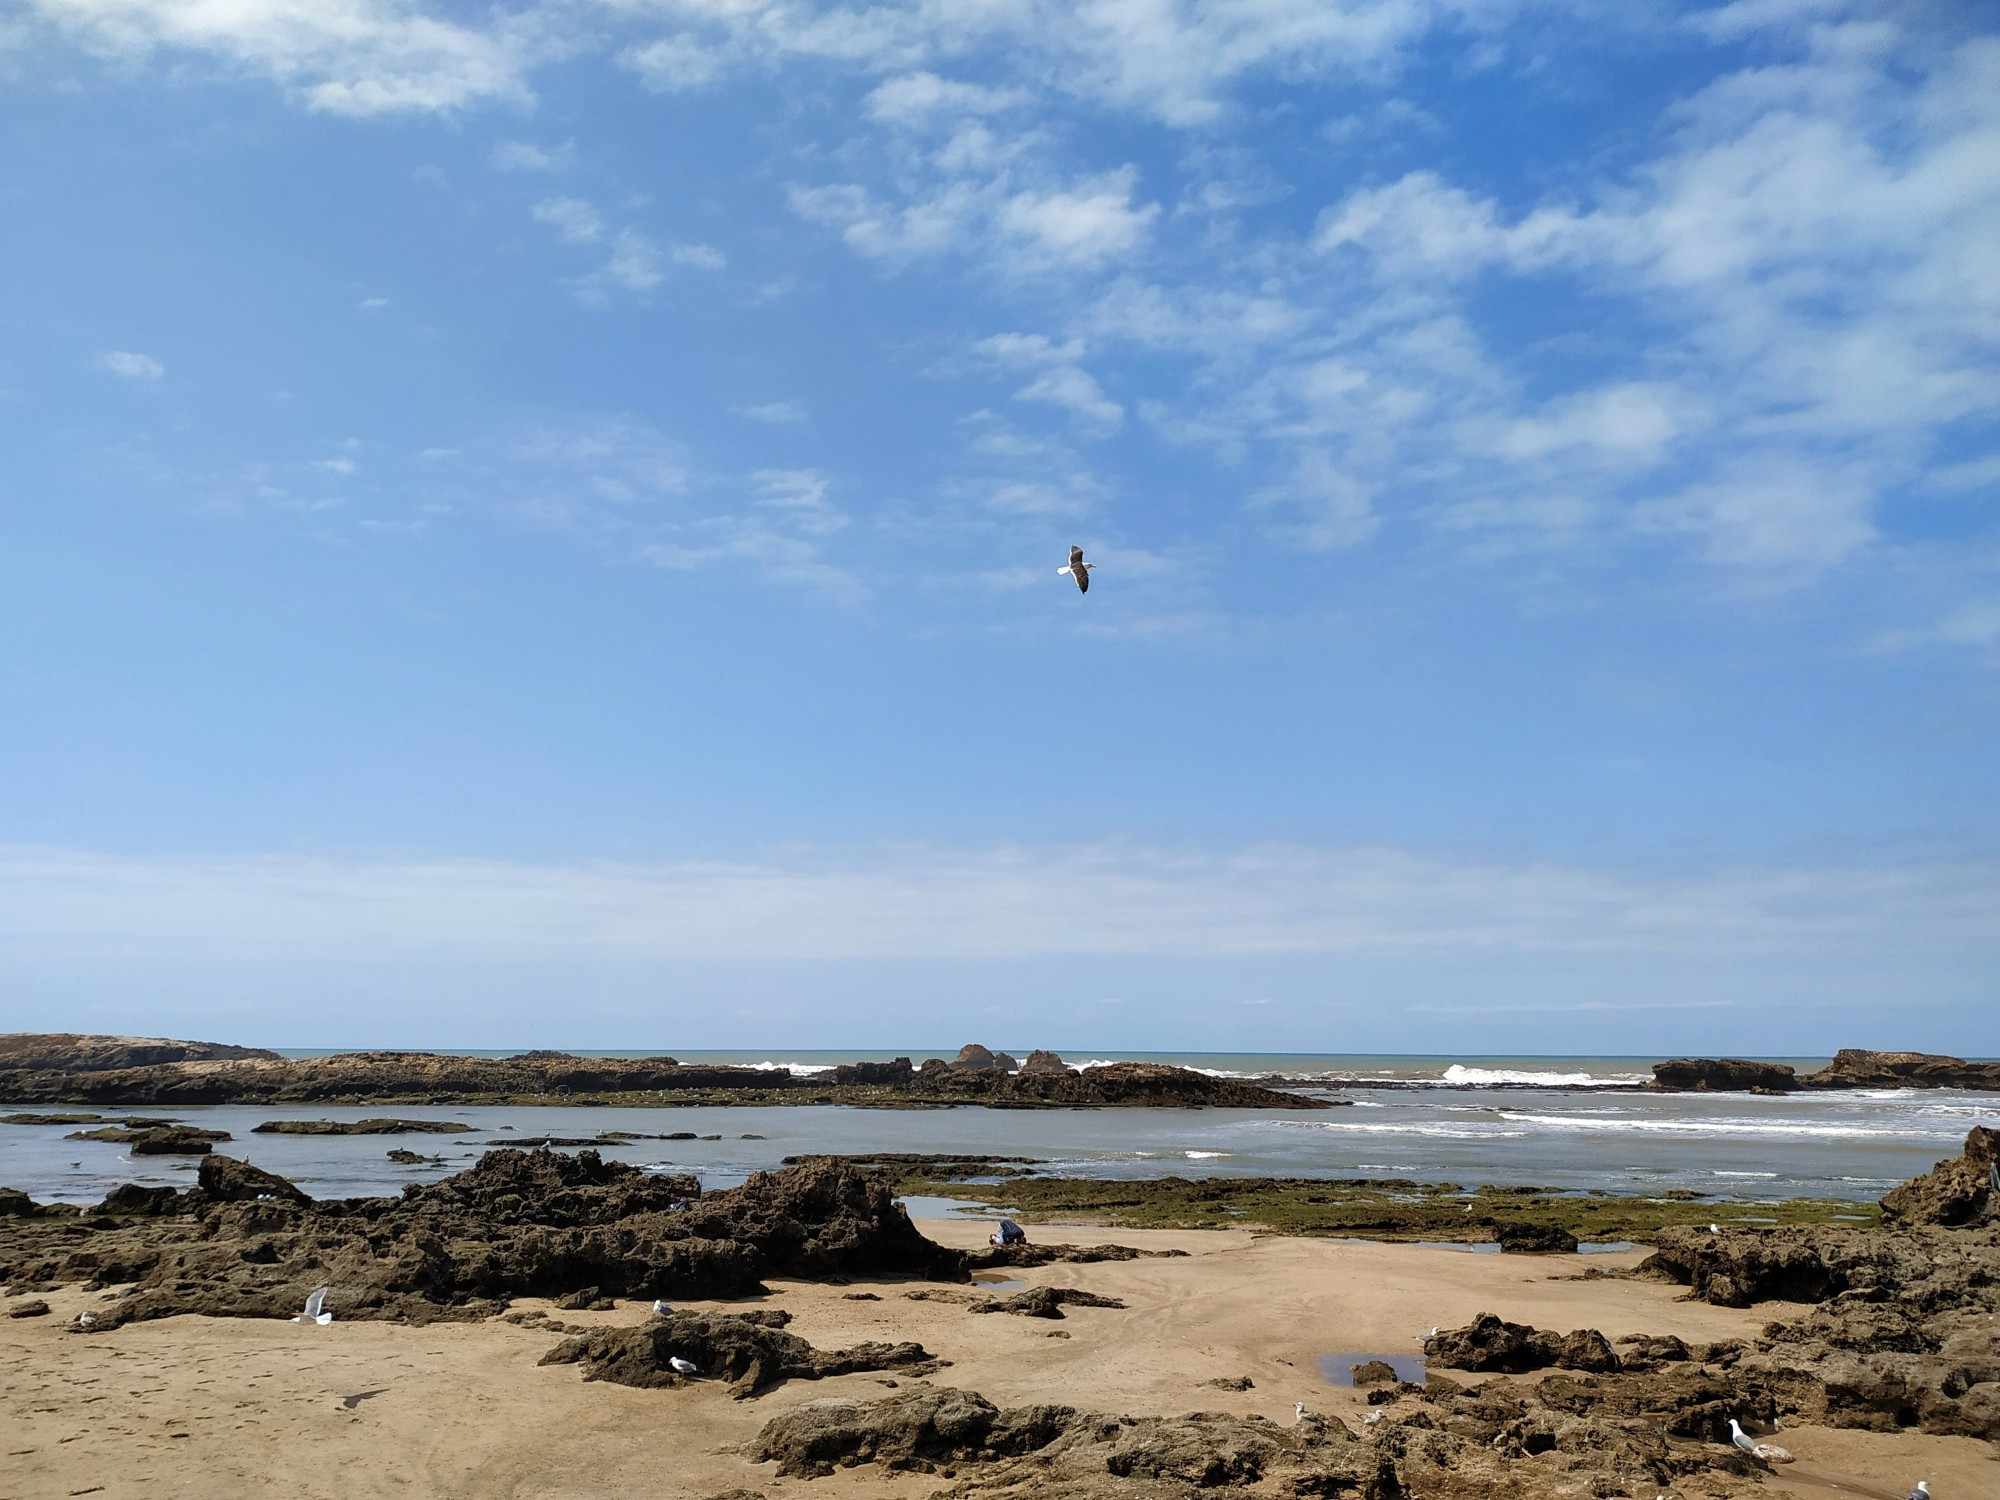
[(1046, 1062), (1722, 1075), (1489, 1343), (1044, 1302), (1530, 1238), (1503, 1442), (155, 1140), (518, 1223), (1856, 1068), (224, 1179), (67, 1052), (361, 1127), (545, 1077), (1962, 1190), (751, 1354)]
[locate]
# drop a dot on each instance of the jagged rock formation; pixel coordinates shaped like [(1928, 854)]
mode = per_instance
[(1488, 1343), (1962, 1190), (1044, 1302), (363, 1127), (1046, 1062), (750, 1352), (246, 1244)]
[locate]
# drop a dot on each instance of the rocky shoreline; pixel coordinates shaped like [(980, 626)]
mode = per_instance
[(1880, 1328)]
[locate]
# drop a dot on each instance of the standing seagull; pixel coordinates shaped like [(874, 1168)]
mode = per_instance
[(1921, 1492), (1078, 569), (1769, 1452)]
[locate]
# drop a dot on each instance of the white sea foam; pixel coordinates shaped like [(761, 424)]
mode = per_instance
[(1719, 1173), (795, 1067), (1771, 1129), (1459, 1073), (1435, 1132), (1202, 1155)]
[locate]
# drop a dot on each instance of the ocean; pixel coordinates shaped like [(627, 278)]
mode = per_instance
[(1560, 1122)]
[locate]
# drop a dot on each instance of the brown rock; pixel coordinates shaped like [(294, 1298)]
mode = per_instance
[(1047, 1062), (1962, 1190), (749, 1354), (224, 1179), (1534, 1239), (1857, 1068), (1488, 1343), (973, 1058)]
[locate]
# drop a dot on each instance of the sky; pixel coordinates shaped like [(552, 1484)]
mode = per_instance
[(540, 524)]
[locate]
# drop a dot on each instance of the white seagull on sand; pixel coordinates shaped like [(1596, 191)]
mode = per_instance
[(1078, 569), (315, 1305), (680, 1366), (1921, 1492), (1771, 1453), (660, 1307)]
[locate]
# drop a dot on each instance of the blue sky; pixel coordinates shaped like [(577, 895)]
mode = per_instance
[(540, 524)]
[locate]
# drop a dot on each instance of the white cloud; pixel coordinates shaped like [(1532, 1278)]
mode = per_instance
[(916, 99), (1086, 225), (349, 57), (525, 156), (141, 367), (1058, 378), (574, 220), (700, 257), (371, 304), (776, 413), (1011, 902), (1323, 505)]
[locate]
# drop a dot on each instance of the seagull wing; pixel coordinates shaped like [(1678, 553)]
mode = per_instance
[(315, 1302)]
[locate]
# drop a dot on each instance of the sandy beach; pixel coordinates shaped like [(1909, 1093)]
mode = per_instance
[(195, 1406)]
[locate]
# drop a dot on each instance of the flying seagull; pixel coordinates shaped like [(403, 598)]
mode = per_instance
[(1769, 1452), (1078, 569), (680, 1366), (314, 1304)]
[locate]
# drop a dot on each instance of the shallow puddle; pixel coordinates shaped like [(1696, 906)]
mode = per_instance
[(1338, 1368), (996, 1281)]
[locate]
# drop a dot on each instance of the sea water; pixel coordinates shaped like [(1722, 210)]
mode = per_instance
[(1567, 1123)]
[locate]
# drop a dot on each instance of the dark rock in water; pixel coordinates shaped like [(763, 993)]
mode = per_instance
[(1527, 1237), (1372, 1372), (1726, 1074), (973, 1058), (34, 1307), (749, 1354), (1488, 1343), (404, 1158), (1005, 1062), (85, 1118), (1044, 1302), (933, 1066), (155, 1140), (1857, 1068), (361, 1127), (224, 1179), (1046, 1062), (1961, 1191)]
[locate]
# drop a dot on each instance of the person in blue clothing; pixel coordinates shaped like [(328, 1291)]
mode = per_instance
[(1008, 1233)]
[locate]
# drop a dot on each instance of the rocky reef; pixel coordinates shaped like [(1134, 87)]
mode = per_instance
[(44, 1069), (1851, 1068)]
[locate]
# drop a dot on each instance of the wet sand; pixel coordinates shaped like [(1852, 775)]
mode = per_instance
[(206, 1407)]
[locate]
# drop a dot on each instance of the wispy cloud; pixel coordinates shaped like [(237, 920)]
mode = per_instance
[(1006, 902), (130, 366)]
